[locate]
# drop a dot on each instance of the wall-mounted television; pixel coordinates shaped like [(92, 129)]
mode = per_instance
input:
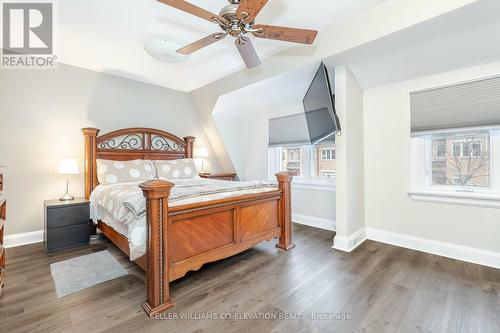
[(319, 106)]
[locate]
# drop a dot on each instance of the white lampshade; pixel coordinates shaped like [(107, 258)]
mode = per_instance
[(201, 152), (68, 166)]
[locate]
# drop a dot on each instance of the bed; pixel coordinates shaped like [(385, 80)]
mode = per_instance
[(184, 233)]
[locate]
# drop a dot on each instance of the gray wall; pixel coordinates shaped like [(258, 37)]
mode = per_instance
[(387, 171), (42, 112)]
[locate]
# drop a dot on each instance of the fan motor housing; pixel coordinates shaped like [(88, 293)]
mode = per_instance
[(229, 12), (236, 26)]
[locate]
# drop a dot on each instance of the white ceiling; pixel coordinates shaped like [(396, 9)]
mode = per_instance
[(108, 36), (466, 37), (463, 38), (274, 97)]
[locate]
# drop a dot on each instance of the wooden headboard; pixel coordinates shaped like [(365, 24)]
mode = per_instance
[(131, 144)]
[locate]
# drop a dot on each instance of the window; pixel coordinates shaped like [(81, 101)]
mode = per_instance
[(304, 162), (457, 161), (459, 168), (455, 143), (327, 154), (292, 160), (439, 172), (476, 150), (440, 145), (457, 150), (323, 161), (467, 149)]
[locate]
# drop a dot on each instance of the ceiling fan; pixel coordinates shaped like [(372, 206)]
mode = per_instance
[(237, 20)]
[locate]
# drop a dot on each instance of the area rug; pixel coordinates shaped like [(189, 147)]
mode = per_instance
[(83, 272)]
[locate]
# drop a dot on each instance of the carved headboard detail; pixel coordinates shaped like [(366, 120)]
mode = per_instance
[(131, 144)]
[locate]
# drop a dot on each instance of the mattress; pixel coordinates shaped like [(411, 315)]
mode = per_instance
[(118, 205)]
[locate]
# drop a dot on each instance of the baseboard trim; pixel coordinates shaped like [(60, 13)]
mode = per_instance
[(349, 243), (24, 238), (313, 221), (459, 252)]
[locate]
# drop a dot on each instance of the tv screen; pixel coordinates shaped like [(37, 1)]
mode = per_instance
[(319, 105)]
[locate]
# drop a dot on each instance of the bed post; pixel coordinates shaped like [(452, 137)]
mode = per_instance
[(285, 185), (189, 146), (158, 257), (90, 171)]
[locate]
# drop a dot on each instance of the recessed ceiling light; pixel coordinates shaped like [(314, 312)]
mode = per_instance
[(163, 49)]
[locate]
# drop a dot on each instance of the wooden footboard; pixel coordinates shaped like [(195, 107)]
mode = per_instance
[(181, 239)]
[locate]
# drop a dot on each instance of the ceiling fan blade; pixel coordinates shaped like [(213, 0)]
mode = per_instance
[(193, 47), (251, 7), (194, 10), (247, 51), (302, 36)]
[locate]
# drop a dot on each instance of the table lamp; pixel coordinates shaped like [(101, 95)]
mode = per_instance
[(68, 166), (202, 153)]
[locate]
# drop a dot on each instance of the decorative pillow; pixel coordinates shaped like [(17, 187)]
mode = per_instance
[(185, 168), (111, 172)]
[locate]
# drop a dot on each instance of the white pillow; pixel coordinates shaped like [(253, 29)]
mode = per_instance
[(112, 172), (180, 169)]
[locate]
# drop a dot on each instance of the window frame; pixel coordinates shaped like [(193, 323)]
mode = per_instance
[(421, 157), (275, 164)]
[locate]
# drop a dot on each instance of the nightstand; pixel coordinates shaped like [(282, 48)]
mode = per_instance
[(67, 224), (220, 176)]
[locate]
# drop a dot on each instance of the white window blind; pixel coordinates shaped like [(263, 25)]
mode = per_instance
[(289, 130), (468, 104)]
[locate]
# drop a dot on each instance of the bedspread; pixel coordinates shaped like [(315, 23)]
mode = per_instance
[(125, 203)]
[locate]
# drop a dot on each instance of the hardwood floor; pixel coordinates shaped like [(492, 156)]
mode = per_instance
[(380, 288)]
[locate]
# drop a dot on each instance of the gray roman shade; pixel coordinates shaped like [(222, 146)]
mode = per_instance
[(289, 130), (466, 104)]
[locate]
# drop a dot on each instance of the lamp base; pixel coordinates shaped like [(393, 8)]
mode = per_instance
[(95, 239), (67, 197)]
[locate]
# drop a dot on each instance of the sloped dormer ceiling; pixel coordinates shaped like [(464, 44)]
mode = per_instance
[(109, 36)]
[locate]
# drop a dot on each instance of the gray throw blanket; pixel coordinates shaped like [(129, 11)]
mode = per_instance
[(136, 203)]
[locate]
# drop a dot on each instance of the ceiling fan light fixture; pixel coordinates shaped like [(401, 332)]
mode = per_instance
[(165, 50), (237, 20)]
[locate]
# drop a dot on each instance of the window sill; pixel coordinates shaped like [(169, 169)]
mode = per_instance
[(318, 185), (462, 199)]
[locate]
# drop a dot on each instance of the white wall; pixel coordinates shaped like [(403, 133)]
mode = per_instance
[(246, 141), (42, 112), (388, 206), (350, 164)]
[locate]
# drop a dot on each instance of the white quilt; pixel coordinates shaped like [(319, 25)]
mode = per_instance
[(121, 206)]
